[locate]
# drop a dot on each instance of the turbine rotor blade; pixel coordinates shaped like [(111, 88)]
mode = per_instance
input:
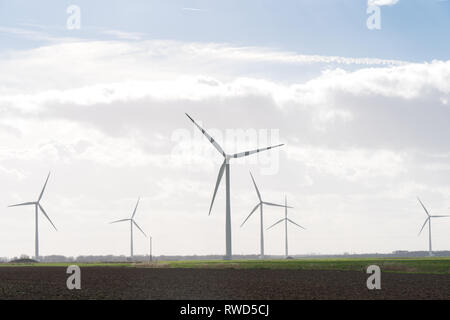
[(121, 220), (440, 216), (281, 220), (428, 214), (247, 153), (257, 191), (45, 184), (134, 222), (276, 205), (22, 204), (423, 226), (134, 212), (45, 214), (214, 143), (295, 224), (254, 209), (219, 178)]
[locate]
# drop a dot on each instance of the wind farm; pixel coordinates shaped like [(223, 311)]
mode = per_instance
[(205, 150), (151, 271)]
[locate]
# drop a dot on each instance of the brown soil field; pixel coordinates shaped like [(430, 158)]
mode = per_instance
[(215, 284)]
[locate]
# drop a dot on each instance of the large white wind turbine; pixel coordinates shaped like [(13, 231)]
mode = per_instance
[(226, 167), (286, 220), (428, 220), (260, 206), (37, 207), (132, 222)]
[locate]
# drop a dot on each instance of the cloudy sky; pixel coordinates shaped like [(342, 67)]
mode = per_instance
[(364, 116)]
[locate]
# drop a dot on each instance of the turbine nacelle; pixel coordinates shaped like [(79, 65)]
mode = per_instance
[(132, 221), (428, 219)]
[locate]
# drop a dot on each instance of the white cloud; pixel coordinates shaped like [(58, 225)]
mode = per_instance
[(352, 164), (114, 61), (123, 35), (381, 2), (193, 9)]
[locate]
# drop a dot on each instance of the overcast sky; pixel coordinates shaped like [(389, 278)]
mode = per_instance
[(364, 116)]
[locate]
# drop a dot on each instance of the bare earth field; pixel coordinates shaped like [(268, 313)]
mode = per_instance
[(231, 284)]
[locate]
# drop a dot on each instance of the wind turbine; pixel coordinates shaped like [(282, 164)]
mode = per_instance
[(37, 207), (226, 167), (260, 206), (286, 220), (132, 222), (428, 220)]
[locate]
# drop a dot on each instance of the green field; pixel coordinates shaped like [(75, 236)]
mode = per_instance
[(416, 265), (411, 265), (66, 264)]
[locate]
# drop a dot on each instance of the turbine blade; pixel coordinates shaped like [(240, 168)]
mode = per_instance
[(428, 214), (440, 216), (277, 205), (122, 220), (45, 214), (247, 153), (281, 220), (257, 191), (134, 222), (285, 207), (214, 143), (22, 204), (254, 209), (45, 184), (295, 224), (219, 178), (423, 226), (134, 212)]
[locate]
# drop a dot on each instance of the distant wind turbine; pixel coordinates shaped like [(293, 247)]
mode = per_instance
[(37, 207), (428, 220), (226, 167), (150, 257), (286, 220), (132, 222), (260, 206)]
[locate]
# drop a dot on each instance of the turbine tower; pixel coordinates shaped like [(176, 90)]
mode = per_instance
[(226, 167), (286, 220), (37, 207), (260, 206), (132, 222), (428, 220)]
